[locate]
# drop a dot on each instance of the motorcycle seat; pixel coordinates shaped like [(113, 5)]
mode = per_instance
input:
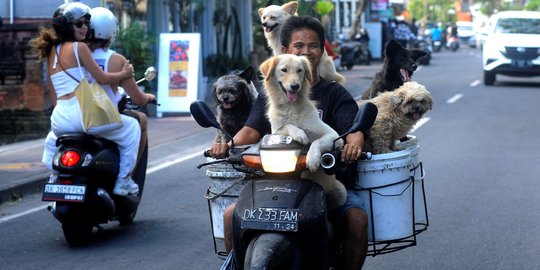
[(85, 139)]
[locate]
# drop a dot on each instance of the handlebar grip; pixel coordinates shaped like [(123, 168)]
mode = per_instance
[(206, 153), (365, 156)]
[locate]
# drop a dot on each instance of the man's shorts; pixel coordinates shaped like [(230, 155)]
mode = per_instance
[(353, 201)]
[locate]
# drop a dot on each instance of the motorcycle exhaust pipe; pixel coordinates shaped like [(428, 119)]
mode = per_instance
[(106, 202)]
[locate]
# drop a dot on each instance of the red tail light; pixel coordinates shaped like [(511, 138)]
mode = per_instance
[(70, 158)]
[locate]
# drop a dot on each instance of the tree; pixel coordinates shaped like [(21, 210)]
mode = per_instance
[(533, 5), (323, 8), (361, 6)]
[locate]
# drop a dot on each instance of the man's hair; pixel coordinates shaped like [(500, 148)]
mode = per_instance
[(296, 23)]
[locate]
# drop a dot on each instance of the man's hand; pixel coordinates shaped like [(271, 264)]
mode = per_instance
[(219, 150), (352, 149)]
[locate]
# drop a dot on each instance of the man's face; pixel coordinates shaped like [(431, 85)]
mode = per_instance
[(305, 42)]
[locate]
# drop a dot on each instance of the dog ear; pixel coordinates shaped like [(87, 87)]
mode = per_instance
[(247, 74), (417, 54), (261, 10), (214, 93), (396, 99), (268, 67), (307, 68), (290, 7), (392, 48)]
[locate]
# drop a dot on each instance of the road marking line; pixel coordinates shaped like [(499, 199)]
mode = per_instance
[(420, 123), (455, 98), (30, 211), (475, 83)]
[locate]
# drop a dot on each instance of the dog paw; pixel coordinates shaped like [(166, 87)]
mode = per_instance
[(313, 159), (299, 136)]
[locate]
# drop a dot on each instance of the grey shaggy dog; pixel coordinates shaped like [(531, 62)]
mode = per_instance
[(234, 95)]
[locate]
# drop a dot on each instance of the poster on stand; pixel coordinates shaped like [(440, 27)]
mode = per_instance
[(179, 72)]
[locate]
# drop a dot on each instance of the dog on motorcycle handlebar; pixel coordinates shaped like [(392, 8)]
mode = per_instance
[(273, 17), (234, 95), (291, 113)]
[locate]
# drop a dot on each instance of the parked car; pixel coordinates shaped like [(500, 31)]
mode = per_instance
[(513, 45), (466, 33)]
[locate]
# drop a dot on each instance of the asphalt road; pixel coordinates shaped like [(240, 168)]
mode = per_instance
[(479, 152)]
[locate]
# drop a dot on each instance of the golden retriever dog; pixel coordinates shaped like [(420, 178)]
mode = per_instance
[(399, 110), (273, 17), (291, 113)]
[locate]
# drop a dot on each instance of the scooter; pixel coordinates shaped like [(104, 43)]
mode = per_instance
[(423, 43), (280, 219), (88, 167), (354, 53), (453, 44)]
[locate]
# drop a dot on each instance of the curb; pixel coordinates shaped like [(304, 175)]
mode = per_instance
[(27, 186)]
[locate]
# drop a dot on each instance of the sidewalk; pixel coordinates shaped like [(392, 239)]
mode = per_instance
[(22, 173)]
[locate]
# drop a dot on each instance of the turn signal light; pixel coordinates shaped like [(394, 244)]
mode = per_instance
[(70, 158)]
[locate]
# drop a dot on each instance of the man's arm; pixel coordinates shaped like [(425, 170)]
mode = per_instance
[(130, 85), (246, 135)]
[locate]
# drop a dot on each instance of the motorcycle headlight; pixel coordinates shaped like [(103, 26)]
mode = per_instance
[(281, 161)]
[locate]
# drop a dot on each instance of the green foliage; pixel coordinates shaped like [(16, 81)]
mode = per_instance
[(431, 10), (533, 5), (136, 44), (323, 7)]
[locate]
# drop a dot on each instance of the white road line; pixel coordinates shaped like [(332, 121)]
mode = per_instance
[(475, 83), (30, 211), (148, 171), (455, 98), (420, 123)]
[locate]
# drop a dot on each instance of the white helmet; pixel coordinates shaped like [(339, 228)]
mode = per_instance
[(103, 23)]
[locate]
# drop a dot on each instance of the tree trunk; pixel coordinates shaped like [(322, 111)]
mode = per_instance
[(361, 6)]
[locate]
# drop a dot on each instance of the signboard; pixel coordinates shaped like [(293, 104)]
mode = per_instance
[(178, 72)]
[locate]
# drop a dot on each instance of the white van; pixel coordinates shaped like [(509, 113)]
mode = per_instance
[(513, 46)]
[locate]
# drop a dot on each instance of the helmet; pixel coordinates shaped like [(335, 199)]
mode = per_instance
[(65, 15), (103, 23), (76, 10)]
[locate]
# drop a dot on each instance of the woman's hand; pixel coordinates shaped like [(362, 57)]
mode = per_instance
[(127, 70)]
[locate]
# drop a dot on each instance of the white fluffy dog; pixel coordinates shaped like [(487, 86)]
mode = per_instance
[(273, 17), (287, 80)]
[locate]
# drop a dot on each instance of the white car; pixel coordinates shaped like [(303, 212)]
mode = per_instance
[(513, 45), (466, 33)]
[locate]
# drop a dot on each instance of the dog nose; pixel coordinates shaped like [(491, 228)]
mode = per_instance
[(295, 87), (264, 24)]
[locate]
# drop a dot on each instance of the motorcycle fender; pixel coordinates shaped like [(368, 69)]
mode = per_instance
[(270, 250)]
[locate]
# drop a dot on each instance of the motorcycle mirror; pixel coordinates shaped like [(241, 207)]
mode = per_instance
[(150, 74), (364, 119), (203, 115)]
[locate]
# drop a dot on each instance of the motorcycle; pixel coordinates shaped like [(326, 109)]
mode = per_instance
[(354, 53), (280, 219), (423, 43), (88, 167), (453, 44)]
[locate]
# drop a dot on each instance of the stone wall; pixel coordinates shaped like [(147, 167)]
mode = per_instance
[(25, 107)]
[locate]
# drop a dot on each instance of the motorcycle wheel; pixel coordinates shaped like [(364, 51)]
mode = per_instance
[(77, 234), (258, 257), (349, 66), (139, 176)]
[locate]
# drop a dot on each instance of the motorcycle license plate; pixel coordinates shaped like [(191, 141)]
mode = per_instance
[(64, 193), (270, 219)]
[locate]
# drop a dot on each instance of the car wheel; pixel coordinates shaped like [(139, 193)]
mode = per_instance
[(489, 77)]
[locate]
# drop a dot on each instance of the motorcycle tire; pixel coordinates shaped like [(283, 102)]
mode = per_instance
[(77, 234), (258, 257), (349, 66)]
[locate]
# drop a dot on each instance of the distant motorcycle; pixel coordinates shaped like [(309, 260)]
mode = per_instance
[(354, 53), (423, 43), (453, 44), (88, 167)]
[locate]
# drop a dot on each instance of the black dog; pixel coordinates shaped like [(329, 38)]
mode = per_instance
[(234, 95), (398, 67)]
